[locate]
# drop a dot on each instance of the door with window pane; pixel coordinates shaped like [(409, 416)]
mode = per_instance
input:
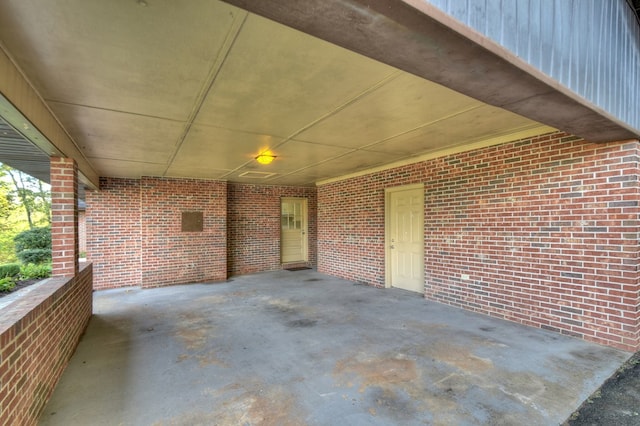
[(293, 237)]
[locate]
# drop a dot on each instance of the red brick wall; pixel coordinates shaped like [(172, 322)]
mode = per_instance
[(38, 335), (134, 232), (351, 225), (546, 228), (171, 256), (254, 226), (114, 236), (64, 216)]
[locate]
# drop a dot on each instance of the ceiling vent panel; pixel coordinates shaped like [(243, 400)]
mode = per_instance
[(256, 175)]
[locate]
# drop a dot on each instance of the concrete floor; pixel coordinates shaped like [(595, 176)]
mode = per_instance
[(295, 348)]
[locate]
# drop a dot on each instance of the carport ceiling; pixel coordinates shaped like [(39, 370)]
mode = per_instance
[(200, 88)]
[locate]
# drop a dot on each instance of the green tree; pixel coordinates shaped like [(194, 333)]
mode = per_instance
[(34, 245), (25, 203), (6, 204), (34, 199), (7, 213)]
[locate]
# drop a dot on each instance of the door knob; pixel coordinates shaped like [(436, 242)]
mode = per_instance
[(392, 246)]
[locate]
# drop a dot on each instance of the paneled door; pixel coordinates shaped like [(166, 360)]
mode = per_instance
[(405, 238), (293, 236)]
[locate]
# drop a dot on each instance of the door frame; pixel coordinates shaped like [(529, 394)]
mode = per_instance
[(304, 230), (387, 227)]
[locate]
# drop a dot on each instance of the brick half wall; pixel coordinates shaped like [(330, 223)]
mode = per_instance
[(545, 228), (39, 333)]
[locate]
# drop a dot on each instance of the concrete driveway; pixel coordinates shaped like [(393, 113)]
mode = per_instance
[(296, 348)]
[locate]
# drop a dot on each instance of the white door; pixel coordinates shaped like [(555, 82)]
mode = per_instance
[(405, 238), (293, 236)]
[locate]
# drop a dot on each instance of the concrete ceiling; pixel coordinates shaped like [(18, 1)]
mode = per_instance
[(200, 88)]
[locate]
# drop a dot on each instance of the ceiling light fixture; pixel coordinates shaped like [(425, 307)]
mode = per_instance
[(265, 158)]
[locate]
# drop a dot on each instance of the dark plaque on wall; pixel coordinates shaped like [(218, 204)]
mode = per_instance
[(191, 221)]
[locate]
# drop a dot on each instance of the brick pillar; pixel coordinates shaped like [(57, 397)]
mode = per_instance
[(64, 216)]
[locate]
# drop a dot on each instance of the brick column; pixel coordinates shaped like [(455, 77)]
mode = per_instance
[(64, 216)]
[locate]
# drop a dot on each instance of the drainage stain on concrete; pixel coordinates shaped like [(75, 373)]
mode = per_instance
[(195, 332), (261, 405), (381, 372), (242, 294), (393, 404), (427, 327), (193, 339), (286, 307), (302, 323), (293, 315), (460, 357), (213, 300), (218, 299), (210, 358), (397, 389)]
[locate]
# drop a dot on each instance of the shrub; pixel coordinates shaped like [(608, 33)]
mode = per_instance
[(7, 284), (9, 270), (34, 256), (32, 271), (33, 245)]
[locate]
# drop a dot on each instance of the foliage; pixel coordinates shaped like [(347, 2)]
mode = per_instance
[(34, 245), (36, 238), (35, 256), (7, 223), (34, 271), (6, 202), (7, 253), (15, 187), (34, 197), (9, 270), (7, 284)]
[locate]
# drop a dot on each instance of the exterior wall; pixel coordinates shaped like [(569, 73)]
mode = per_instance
[(254, 226), (135, 238), (114, 236), (351, 224), (171, 256), (64, 217), (134, 235), (38, 335), (546, 228)]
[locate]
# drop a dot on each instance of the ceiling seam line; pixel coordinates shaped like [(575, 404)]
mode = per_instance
[(137, 114), (124, 161), (323, 117), (326, 161), (364, 147), (404, 157), (363, 94), (230, 40), (423, 125)]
